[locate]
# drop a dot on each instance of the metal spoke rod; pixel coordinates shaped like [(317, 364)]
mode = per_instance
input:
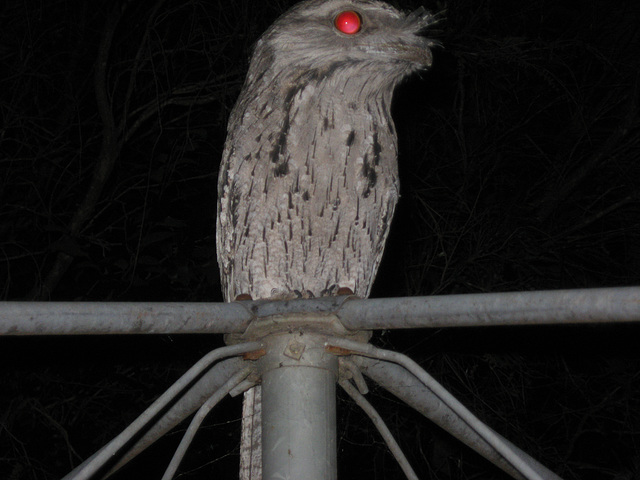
[(108, 453), (520, 464), (376, 419), (199, 418)]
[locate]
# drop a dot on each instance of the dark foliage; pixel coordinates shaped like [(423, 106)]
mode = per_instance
[(519, 163)]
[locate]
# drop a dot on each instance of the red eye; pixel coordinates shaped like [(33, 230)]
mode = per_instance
[(348, 22)]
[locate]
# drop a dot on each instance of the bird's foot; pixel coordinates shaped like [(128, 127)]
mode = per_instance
[(336, 290), (344, 291)]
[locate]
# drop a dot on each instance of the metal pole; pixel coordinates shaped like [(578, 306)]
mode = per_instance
[(109, 318), (298, 408), (597, 305)]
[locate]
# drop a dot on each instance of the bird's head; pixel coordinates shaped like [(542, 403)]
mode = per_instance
[(318, 38)]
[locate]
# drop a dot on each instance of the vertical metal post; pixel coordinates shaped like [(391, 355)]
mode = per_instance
[(298, 408)]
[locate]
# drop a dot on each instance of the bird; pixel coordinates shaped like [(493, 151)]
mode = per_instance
[(308, 181)]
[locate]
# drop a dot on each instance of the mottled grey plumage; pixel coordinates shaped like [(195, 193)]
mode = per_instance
[(308, 181)]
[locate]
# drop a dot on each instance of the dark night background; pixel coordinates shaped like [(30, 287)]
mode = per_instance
[(519, 163)]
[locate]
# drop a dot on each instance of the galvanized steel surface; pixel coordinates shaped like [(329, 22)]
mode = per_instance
[(298, 408), (105, 318), (599, 305)]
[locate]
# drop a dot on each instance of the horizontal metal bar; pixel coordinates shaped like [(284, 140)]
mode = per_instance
[(106, 318), (598, 305)]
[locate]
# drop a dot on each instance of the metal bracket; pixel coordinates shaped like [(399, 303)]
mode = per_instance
[(323, 324)]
